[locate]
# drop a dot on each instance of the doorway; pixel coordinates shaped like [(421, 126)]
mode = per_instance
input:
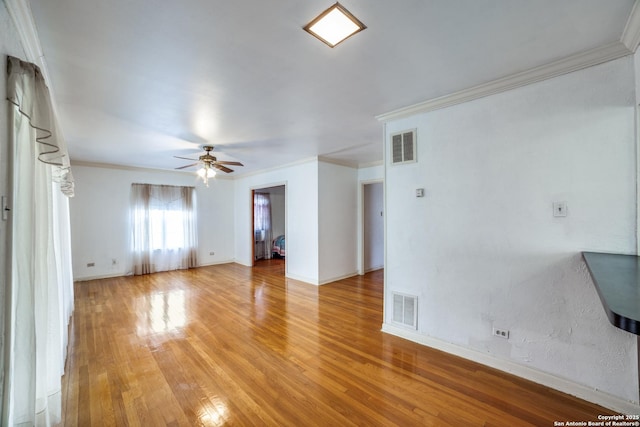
[(269, 228), (372, 226)]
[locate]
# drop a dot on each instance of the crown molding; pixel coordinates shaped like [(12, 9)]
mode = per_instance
[(308, 160), (348, 163), (23, 20), (182, 172), (627, 45), (631, 34), (563, 66), (275, 168), (20, 12), (370, 164), (122, 167), (338, 162)]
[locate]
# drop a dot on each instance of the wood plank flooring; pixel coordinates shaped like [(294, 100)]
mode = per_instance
[(232, 345)]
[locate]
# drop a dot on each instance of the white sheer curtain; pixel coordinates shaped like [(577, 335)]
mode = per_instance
[(262, 223), (163, 228), (39, 301)]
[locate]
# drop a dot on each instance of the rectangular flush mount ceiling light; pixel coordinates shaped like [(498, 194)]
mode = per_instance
[(334, 25)]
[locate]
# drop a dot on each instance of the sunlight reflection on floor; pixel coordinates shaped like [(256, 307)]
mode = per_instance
[(161, 312), (214, 414)]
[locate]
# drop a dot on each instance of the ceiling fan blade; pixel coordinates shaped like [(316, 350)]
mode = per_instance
[(222, 162), (185, 158), (222, 168), (188, 166)]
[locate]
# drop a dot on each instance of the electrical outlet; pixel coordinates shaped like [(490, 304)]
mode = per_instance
[(91, 264), (212, 253), (559, 209), (502, 333), (114, 261)]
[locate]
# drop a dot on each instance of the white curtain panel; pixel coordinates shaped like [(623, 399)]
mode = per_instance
[(40, 296), (262, 221), (163, 228)]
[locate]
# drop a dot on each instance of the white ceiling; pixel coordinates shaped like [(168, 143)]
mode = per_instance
[(139, 81)]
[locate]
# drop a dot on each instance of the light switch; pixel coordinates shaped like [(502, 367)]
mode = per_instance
[(559, 209)]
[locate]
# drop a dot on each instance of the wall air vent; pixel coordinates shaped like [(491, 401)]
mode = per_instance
[(405, 310), (403, 147)]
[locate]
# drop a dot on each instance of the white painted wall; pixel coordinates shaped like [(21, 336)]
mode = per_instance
[(302, 216), (278, 213), (338, 221), (9, 45), (100, 217), (372, 173), (373, 202), (224, 212), (483, 250), (636, 63)]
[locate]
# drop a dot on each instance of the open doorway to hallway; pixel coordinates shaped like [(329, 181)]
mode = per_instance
[(372, 226), (269, 228)]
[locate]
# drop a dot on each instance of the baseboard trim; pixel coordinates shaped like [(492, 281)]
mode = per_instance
[(102, 276), (335, 279), (320, 282), (237, 261), (123, 274), (229, 261), (302, 279), (561, 384)]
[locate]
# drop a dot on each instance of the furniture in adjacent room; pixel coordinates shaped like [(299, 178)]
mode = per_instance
[(278, 248)]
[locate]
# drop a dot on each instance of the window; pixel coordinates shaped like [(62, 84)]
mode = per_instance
[(163, 224), (167, 229)]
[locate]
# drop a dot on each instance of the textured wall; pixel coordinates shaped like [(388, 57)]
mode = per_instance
[(483, 249)]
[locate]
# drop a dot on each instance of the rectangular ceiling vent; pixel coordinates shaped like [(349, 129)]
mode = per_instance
[(405, 310), (403, 147)]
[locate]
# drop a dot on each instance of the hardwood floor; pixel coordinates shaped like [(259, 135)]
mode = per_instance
[(231, 345)]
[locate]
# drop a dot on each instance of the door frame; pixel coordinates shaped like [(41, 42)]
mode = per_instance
[(253, 190), (361, 213)]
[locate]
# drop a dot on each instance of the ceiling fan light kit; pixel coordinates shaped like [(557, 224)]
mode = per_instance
[(208, 165), (205, 173)]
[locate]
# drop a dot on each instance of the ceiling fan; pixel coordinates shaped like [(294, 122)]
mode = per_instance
[(208, 164)]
